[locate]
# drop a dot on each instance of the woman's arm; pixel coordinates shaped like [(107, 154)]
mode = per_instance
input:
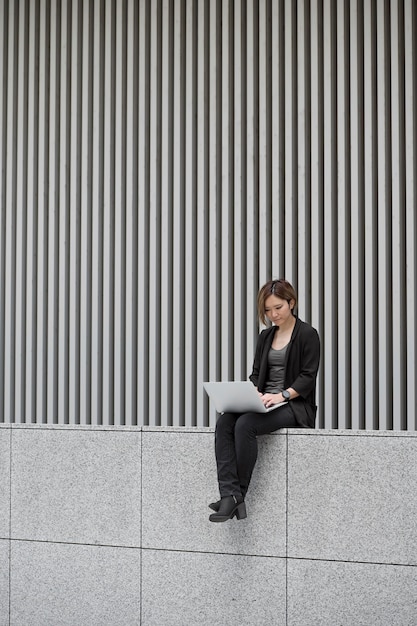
[(257, 359), (305, 381)]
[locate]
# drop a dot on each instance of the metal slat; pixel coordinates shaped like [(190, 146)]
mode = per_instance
[(154, 209), (301, 107), (264, 197), (317, 189), (143, 374), (190, 227), (411, 224), (384, 373), (289, 269), (277, 131), (86, 213), (132, 89), (342, 203), (120, 275), (399, 361), (250, 232), (3, 189), (11, 209), (177, 339), (370, 221), (330, 225), (225, 336), (73, 232), (356, 319), (202, 210), (166, 280), (21, 213), (63, 167), (237, 307)]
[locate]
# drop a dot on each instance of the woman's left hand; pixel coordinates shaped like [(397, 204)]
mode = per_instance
[(269, 399)]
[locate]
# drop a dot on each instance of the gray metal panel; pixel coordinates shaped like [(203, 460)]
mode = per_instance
[(161, 160)]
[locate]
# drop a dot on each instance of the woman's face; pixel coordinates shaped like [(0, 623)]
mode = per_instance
[(278, 311)]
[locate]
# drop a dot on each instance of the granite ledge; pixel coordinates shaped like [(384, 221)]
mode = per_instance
[(78, 427), (304, 432), (333, 432)]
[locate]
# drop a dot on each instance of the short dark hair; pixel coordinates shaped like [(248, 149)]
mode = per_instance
[(280, 288)]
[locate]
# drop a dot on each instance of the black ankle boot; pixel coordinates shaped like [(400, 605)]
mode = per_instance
[(230, 506), (214, 506)]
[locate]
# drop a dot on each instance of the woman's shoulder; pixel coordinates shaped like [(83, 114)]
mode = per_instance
[(305, 329), (265, 333)]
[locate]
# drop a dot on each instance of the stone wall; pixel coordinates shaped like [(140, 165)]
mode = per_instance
[(110, 526)]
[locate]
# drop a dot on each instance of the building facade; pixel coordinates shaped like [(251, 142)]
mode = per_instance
[(160, 160)]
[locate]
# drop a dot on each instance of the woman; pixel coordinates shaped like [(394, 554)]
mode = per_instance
[(284, 370)]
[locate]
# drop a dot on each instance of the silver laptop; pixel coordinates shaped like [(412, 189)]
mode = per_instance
[(237, 397)]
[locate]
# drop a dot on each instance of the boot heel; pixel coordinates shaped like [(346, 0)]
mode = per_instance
[(241, 511)]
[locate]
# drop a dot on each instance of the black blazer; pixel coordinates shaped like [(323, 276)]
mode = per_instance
[(301, 365)]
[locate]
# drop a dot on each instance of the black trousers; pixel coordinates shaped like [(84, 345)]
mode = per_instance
[(237, 447)]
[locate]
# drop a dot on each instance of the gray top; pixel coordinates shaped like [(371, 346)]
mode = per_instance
[(276, 366)]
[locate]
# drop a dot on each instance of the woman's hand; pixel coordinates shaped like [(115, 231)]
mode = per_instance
[(269, 399)]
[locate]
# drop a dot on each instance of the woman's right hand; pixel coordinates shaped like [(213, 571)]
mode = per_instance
[(269, 399)]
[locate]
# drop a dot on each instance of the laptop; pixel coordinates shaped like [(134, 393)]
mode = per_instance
[(237, 397)]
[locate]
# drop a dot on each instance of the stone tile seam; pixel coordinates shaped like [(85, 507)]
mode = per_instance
[(207, 552), (369, 434), (141, 531), (74, 543), (286, 524), (76, 428), (203, 552), (322, 560), (10, 525), (272, 556)]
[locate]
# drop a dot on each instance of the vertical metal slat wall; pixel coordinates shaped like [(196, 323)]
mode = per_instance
[(162, 159)]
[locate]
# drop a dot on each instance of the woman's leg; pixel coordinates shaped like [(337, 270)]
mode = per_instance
[(246, 430), (227, 474)]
